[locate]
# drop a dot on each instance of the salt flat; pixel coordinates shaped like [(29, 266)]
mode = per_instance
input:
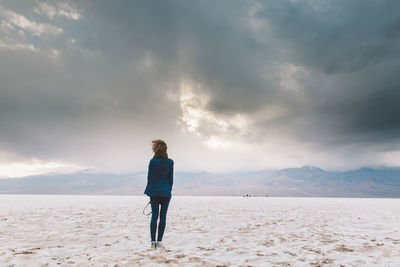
[(54, 230)]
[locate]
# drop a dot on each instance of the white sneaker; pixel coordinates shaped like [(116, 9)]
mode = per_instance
[(160, 246), (153, 244)]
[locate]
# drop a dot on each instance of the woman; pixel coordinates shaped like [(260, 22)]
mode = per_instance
[(159, 186)]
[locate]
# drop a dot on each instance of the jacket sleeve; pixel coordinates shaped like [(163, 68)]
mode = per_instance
[(148, 173), (171, 174), (147, 191)]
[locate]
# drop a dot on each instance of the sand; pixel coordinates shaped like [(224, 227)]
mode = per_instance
[(51, 230)]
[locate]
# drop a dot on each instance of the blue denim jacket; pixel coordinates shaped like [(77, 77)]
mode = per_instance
[(160, 177)]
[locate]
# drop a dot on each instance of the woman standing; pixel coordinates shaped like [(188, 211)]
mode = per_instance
[(159, 186)]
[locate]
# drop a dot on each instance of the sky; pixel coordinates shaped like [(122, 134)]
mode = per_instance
[(229, 85)]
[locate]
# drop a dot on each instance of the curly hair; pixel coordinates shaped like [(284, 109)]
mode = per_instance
[(159, 149)]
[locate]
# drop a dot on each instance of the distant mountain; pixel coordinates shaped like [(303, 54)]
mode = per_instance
[(306, 181), (76, 183)]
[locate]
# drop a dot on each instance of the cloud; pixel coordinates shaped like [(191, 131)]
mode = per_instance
[(20, 21), (232, 84), (46, 9), (200, 121), (62, 9), (25, 33), (13, 39)]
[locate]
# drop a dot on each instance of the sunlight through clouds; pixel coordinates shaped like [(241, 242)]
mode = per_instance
[(192, 106), (219, 131), (36, 167), (215, 142)]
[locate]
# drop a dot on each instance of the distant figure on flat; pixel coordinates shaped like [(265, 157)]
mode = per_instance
[(159, 186)]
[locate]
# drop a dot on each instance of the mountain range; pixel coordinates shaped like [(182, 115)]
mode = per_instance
[(299, 182)]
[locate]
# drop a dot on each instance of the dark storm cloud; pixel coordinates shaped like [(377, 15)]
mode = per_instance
[(336, 36), (352, 50), (324, 73), (86, 100), (209, 42)]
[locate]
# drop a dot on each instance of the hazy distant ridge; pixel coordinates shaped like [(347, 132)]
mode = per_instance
[(305, 181)]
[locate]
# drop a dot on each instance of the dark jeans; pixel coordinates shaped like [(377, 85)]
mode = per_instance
[(155, 203)]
